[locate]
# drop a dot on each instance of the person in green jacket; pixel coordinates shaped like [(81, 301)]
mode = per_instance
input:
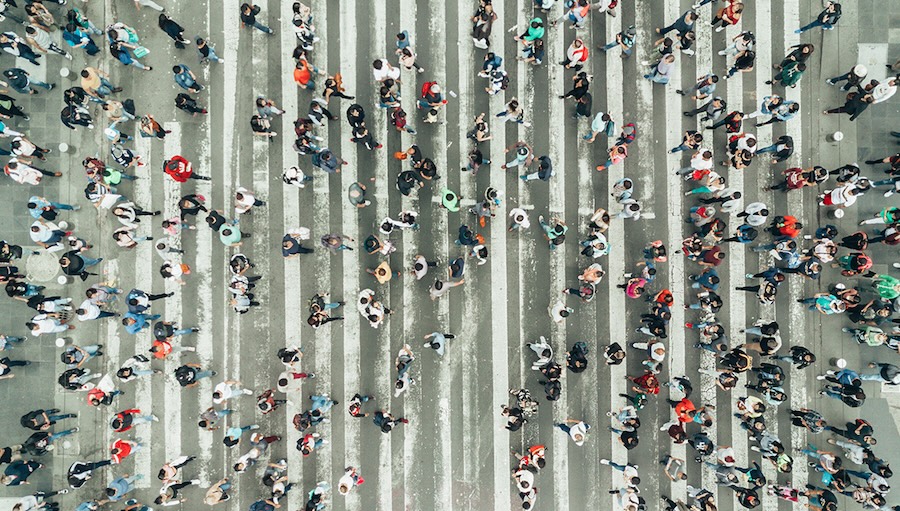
[(535, 31), (231, 235), (885, 216), (789, 75), (887, 287), (450, 200), (869, 335)]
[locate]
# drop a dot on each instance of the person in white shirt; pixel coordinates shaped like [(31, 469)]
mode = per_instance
[(227, 390), (88, 311), (420, 266), (45, 234), (47, 324), (127, 213), (884, 90), (350, 479), (438, 341), (755, 214), (23, 173), (295, 177), (630, 209), (383, 70), (244, 200), (524, 480), (629, 472), (559, 312), (576, 429), (440, 288), (544, 352), (519, 219)]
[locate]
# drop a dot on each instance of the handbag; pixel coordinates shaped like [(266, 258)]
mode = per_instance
[(610, 128), (141, 52)]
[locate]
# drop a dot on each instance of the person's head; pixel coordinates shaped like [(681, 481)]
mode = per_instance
[(669, 58), (801, 66), (110, 492), (176, 69), (377, 64), (401, 36)]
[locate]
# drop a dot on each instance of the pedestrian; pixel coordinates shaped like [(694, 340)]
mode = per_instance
[(248, 18), (826, 19)]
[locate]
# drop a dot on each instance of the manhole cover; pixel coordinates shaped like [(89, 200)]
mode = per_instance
[(42, 267)]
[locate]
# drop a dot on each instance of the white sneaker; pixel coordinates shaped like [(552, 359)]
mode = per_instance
[(254, 427), (249, 392), (719, 29), (154, 418), (604, 461)]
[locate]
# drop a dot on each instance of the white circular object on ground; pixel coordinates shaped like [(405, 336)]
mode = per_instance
[(67, 444), (64, 72), (60, 342), (840, 363), (838, 213), (42, 267), (837, 136), (63, 147), (63, 224), (62, 280)]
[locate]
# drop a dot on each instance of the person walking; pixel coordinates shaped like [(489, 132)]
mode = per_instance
[(248, 18), (826, 19)]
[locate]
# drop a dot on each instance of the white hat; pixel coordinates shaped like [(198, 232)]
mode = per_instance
[(860, 70)]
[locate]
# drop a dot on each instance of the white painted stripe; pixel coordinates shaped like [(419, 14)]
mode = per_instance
[(736, 300), (292, 290), (231, 363), (143, 392), (172, 146), (324, 259), (764, 135), (675, 224), (203, 278), (708, 388), (258, 247), (555, 45), (799, 378), (350, 227), (438, 69)]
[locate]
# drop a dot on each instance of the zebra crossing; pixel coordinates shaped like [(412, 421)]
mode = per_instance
[(454, 453)]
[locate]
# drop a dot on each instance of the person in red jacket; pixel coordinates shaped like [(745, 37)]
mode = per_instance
[(121, 449), (646, 383), (684, 409), (785, 226), (180, 169), (126, 419)]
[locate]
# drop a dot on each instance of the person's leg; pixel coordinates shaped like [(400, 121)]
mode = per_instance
[(61, 434), (815, 23), (871, 377), (564, 427), (262, 27), (203, 374)]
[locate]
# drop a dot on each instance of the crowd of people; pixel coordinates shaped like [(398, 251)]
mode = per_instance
[(869, 302)]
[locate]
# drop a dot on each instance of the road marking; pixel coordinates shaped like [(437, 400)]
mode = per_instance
[(293, 290), (172, 146)]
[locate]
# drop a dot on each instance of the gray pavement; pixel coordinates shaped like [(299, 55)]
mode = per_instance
[(454, 453)]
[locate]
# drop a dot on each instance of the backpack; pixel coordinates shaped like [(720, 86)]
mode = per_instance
[(426, 88), (504, 82), (184, 375)]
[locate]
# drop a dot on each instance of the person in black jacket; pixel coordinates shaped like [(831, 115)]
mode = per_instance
[(855, 105)]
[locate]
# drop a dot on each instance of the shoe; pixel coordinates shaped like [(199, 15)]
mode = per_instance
[(254, 427), (214, 373), (194, 329), (75, 430), (247, 392), (719, 29), (52, 85), (49, 447), (604, 461)]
